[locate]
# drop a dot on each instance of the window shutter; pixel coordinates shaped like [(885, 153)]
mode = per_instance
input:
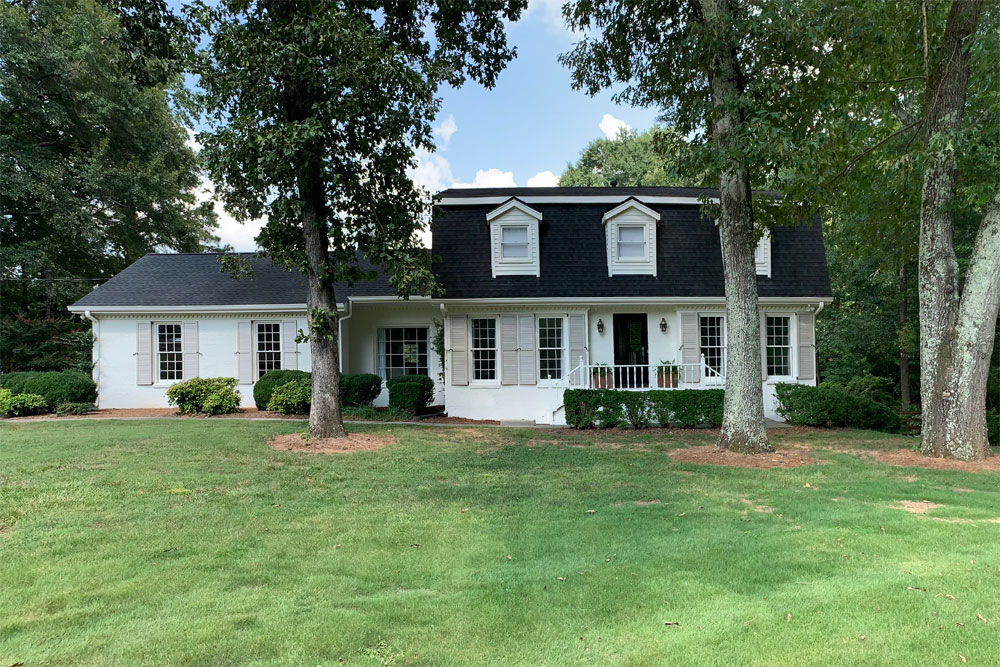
[(807, 346), (577, 345), (458, 334), (508, 349), (526, 351), (144, 352), (289, 348), (763, 345), (190, 343), (244, 351), (690, 350)]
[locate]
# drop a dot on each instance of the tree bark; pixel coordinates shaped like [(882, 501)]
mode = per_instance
[(743, 411), (904, 355), (953, 373)]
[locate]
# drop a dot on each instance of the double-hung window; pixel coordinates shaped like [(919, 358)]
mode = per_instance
[(268, 343), (550, 348), (631, 242), (169, 352), (514, 243), (402, 351), (779, 345), (712, 340), (484, 349)]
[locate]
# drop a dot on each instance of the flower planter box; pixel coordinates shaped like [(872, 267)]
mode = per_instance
[(602, 378)]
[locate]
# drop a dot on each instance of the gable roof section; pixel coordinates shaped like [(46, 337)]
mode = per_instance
[(513, 204), (171, 280), (628, 205), (574, 252)]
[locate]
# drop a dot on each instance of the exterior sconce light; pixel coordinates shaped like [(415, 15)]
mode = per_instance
[(663, 325), (600, 326)]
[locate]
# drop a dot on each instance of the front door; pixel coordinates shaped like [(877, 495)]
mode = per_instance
[(631, 351)]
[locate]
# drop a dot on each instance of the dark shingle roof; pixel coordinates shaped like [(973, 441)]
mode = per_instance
[(574, 255), (196, 280), (581, 191)]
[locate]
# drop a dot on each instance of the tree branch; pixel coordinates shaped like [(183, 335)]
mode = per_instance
[(857, 158)]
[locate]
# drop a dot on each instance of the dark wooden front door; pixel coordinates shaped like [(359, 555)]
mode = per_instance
[(631, 349)]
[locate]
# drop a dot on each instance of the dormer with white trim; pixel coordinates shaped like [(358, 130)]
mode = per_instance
[(514, 239), (762, 254), (630, 233)]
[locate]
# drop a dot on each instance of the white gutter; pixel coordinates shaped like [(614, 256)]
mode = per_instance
[(219, 308), (96, 352), (575, 199), (340, 333)]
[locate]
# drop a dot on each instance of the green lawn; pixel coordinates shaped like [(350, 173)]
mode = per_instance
[(191, 542)]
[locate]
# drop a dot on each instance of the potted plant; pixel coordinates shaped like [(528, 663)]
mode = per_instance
[(667, 375), (602, 377)]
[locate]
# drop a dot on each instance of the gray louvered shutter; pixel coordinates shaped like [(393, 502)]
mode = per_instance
[(244, 351), (508, 349), (190, 343), (289, 349), (526, 349), (458, 335), (577, 345), (763, 345), (807, 346), (144, 352), (690, 350)]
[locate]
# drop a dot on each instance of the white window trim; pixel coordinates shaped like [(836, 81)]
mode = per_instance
[(497, 346), (256, 349), (792, 348), (612, 221), (514, 213), (546, 382), (430, 368), (645, 244), (159, 381), (725, 338)]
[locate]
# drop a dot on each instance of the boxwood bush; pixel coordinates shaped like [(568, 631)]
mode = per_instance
[(831, 406), (410, 393), (270, 381), (54, 387), (210, 396), (603, 408), (292, 398), (356, 389)]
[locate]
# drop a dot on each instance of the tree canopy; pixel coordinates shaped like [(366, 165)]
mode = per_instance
[(648, 158)]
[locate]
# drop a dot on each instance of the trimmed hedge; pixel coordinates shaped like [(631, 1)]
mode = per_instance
[(54, 386), (210, 396), (831, 406), (356, 389), (292, 398), (270, 381), (410, 393), (604, 408)]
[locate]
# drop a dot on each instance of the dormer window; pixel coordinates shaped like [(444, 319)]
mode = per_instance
[(630, 230), (514, 239)]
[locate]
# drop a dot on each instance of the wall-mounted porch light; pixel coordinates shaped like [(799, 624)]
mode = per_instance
[(600, 326), (663, 325)]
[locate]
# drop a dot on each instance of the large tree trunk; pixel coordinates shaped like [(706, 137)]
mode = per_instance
[(953, 375), (743, 412), (904, 354)]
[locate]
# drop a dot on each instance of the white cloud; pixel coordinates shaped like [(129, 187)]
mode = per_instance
[(611, 126), (543, 179), (447, 128), (490, 178), (549, 13), (230, 231)]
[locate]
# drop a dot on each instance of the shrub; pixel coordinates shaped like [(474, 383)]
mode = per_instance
[(359, 389), (603, 408), (292, 398), (267, 384), (688, 408), (211, 396), (871, 386), (54, 387), (410, 393), (993, 429), (831, 406), (20, 405), (635, 409), (64, 409)]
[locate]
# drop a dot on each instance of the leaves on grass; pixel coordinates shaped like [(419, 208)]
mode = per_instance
[(674, 624), (982, 618), (788, 619), (861, 637), (962, 657), (591, 511), (415, 546), (561, 578), (911, 588)]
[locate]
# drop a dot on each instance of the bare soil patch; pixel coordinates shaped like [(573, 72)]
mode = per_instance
[(911, 459), (711, 455), (916, 506), (757, 508), (445, 419), (354, 442)]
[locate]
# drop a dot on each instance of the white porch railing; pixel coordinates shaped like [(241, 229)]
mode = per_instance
[(642, 377)]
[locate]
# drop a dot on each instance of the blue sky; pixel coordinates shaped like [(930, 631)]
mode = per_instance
[(522, 132)]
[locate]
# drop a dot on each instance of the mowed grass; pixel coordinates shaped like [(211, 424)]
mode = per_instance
[(193, 543)]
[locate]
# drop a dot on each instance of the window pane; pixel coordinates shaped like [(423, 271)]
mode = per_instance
[(515, 234), (402, 351), (169, 351), (631, 234), (712, 341), (514, 251), (550, 347), (484, 354), (268, 347), (779, 345)]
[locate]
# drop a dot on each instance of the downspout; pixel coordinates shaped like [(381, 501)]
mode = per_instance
[(96, 353), (340, 332), (819, 309)]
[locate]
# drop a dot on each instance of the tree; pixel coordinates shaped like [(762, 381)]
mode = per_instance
[(739, 79), (631, 159), (318, 131), (95, 170)]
